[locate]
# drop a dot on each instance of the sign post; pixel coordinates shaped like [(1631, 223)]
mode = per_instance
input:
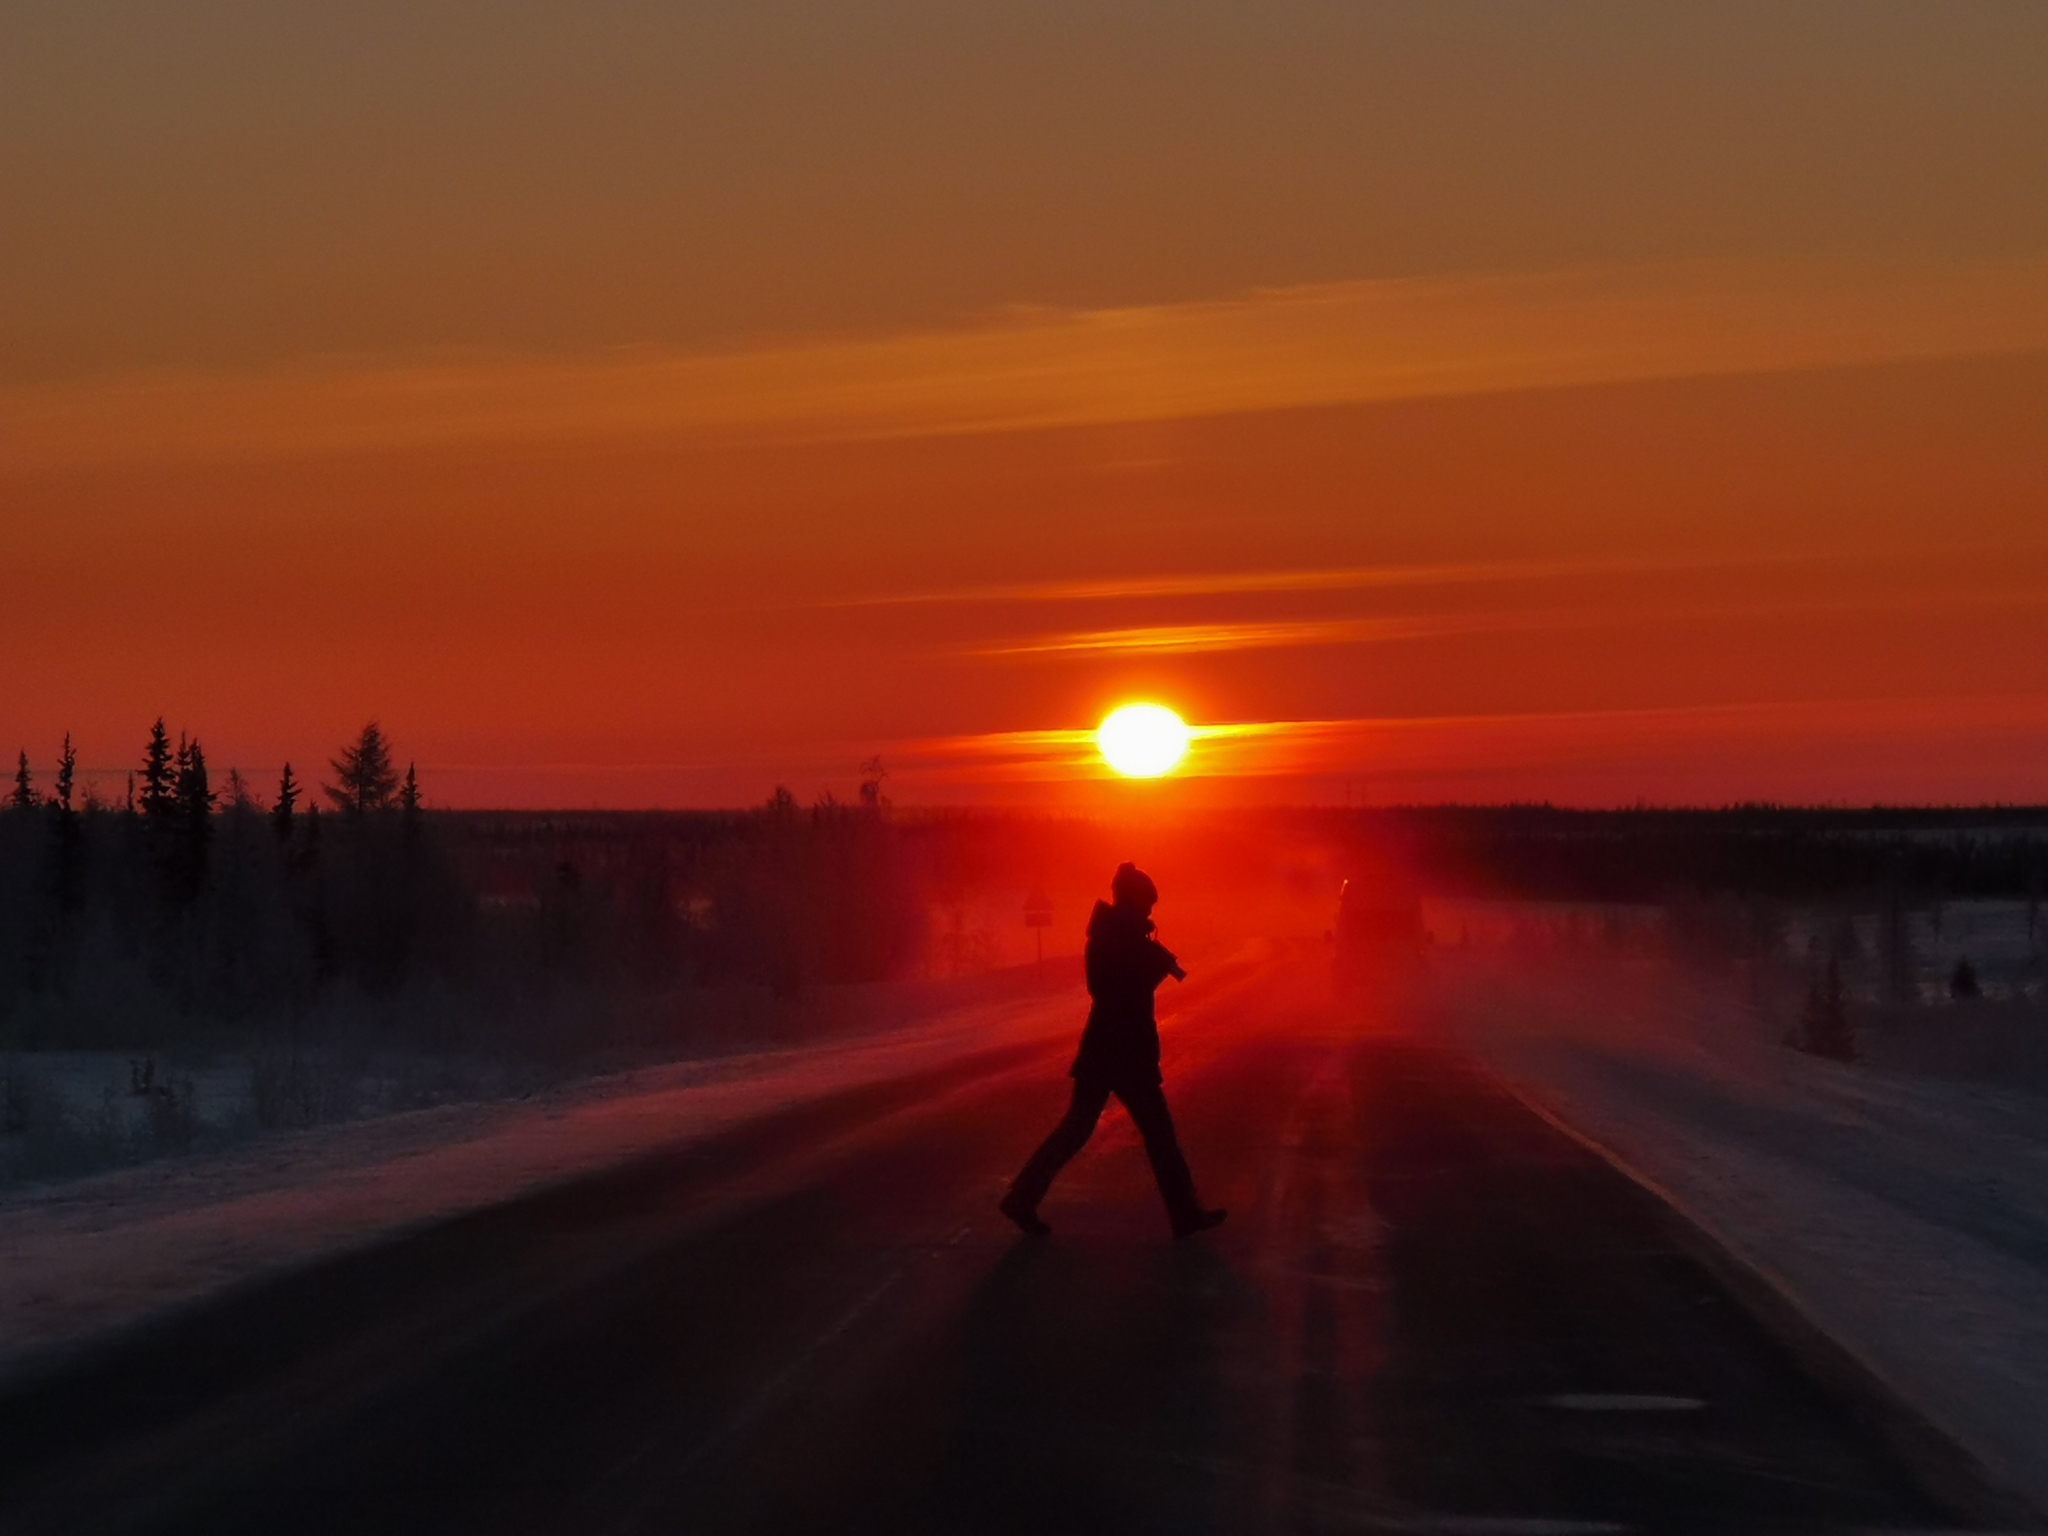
[(1038, 917)]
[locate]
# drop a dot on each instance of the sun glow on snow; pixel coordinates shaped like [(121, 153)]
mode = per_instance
[(1143, 741)]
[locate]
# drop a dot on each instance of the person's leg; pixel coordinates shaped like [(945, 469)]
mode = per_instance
[(1146, 1104), (1067, 1138)]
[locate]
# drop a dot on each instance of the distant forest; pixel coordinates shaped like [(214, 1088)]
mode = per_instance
[(1749, 851), (193, 903), (238, 909)]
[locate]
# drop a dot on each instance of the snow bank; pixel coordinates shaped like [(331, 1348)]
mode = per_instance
[(1907, 1217), (101, 1253)]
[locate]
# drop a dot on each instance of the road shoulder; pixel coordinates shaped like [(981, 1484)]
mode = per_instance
[(1847, 1224), (99, 1256)]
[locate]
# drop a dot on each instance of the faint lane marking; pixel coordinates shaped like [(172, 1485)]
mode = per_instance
[(1623, 1402)]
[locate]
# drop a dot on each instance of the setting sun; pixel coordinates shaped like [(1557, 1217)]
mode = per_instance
[(1143, 741)]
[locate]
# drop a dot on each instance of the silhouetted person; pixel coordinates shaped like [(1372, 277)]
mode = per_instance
[(1119, 1055)]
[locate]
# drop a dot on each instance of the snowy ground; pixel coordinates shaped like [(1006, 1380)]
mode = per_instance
[(1906, 1215), (94, 1254), (68, 1114)]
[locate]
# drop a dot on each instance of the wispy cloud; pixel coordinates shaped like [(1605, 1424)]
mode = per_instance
[(1162, 639), (1360, 578), (1440, 750), (1199, 637), (1319, 345), (1369, 578)]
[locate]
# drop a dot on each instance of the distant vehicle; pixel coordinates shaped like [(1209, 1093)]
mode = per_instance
[(1379, 937)]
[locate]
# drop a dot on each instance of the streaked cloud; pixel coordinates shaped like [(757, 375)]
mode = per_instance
[(1166, 639), (1328, 344), (1368, 578), (1429, 756), (1236, 583), (1195, 638)]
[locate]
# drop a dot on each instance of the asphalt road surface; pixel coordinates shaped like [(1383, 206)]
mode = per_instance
[(1430, 1311)]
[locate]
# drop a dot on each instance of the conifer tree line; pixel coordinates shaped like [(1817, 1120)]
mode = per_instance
[(189, 897), (171, 795), (193, 904), (173, 784)]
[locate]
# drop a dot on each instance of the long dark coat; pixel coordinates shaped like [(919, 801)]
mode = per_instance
[(1125, 966)]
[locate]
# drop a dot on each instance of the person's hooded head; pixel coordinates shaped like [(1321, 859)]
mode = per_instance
[(1132, 889)]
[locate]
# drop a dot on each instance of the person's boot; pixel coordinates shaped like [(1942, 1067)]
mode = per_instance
[(1197, 1220), (1024, 1214)]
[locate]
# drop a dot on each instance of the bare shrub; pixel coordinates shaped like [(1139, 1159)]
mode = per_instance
[(289, 1089), (173, 1117), (1824, 1025)]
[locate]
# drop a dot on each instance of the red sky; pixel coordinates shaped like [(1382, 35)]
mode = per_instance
[(1446, 401)]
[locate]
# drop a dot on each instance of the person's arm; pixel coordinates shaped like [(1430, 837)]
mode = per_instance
[(1162, 957)]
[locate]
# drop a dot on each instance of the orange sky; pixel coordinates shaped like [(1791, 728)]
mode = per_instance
[(1433, 401)]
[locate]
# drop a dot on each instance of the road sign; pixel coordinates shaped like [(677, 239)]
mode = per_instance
[(1038, 917)]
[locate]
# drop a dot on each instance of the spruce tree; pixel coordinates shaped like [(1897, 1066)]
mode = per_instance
[(409, 803), (193, 794), (67, 775), (287, 800), (70, 870), (366, 779), (158, 802), (193, 798), (24, 796)]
